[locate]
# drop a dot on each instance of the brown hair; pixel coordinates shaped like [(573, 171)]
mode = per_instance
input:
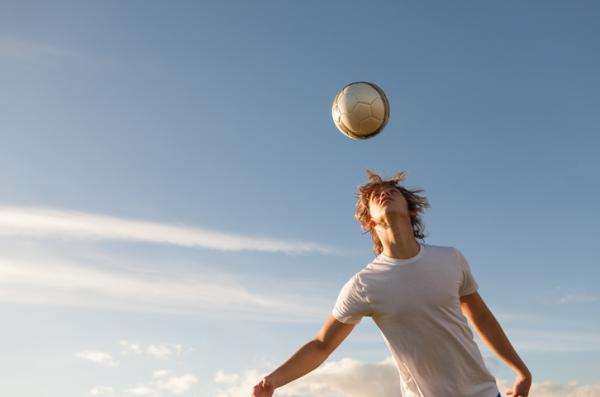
[(415, 203)]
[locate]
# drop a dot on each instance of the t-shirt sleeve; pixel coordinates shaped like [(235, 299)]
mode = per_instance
[(468, 285), (351, 304)]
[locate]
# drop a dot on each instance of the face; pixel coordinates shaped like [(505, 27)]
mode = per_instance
[(387, 202)]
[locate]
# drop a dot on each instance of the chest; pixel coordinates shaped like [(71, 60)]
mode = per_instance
[(411, 290)]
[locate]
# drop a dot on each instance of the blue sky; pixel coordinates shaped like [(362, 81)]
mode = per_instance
[(176, 205)]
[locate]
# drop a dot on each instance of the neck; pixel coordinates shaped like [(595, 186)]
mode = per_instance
[(398, 239)]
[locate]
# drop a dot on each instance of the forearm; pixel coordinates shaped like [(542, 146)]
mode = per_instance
[(307, 358), (494, 337)]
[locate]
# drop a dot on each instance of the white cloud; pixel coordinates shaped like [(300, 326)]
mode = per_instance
[(160, 373), (352, 378), (163, 351), (176, 384), (51, 223), (98, 357), (347, 377), (102, 391), (154, 350), (44, 281), (163, 383), (141, 391), (222, 377)]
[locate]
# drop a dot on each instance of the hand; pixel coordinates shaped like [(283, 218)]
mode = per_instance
[(521, 386), (263, 389)]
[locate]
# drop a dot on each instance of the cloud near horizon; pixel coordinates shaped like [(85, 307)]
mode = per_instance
[(53, 223), (352, 378), (162, 384)]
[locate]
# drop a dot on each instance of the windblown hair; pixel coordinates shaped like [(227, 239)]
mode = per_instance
[(415, 203)]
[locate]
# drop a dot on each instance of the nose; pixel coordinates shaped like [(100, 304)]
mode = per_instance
[(384, 195)]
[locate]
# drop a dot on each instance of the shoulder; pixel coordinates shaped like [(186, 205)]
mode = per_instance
[(364, 277), (445, 254), (353, 282), (443, 250)]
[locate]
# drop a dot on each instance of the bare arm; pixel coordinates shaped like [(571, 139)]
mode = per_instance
[(309, 356), (490, 331), (488, 328)]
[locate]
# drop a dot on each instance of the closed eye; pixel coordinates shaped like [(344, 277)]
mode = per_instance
[(378, 197)]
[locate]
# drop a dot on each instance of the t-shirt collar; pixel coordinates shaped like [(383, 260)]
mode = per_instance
[(396, 261)]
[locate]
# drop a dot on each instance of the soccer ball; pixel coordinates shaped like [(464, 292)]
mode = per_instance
[(360, 110)]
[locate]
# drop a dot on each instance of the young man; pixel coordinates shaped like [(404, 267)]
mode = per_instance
[(420, 296)]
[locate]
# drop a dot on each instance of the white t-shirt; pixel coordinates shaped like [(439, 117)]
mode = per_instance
[(415, 303)]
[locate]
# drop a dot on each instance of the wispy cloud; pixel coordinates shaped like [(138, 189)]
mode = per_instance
[(567, 295), (52, 223), (98, 357), (45, 281), (538, 339), (504, 316), (26, 50), (578, 298), (352, 378), (35, 52), (160, 350), (555, 341)]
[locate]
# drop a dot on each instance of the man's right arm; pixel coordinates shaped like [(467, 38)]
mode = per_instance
[(312, 354)]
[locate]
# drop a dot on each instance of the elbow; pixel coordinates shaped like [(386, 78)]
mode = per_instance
[(322, 348)]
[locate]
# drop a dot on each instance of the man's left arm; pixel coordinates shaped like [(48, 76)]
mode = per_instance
[(488, 328)]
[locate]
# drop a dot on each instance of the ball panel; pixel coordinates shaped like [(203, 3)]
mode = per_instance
[(350, 123), (364, 91), (341, 102), (378, 108), (347, 103), (369, 126), (361, 111)]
